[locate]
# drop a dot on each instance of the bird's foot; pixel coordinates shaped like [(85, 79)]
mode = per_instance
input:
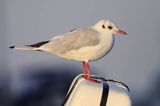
[(92, 80)]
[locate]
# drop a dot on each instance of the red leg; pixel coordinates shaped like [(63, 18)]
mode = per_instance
[(88, 70), (89, 74), (84, 69)]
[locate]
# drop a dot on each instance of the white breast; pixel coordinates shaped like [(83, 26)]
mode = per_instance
[(104, 46)]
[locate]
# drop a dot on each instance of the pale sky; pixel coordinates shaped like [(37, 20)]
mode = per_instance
[(134, 58)]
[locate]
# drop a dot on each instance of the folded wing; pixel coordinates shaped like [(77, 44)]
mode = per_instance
[(72, 41)]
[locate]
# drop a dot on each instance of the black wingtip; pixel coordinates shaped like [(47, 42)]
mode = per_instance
[(12, 47)]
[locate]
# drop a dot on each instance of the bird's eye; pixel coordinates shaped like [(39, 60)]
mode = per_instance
[(110, 27), (103, 26)]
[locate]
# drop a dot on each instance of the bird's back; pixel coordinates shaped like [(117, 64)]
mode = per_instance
[(73, 40)]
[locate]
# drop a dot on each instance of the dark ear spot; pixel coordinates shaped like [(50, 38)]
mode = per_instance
[(103, 26)]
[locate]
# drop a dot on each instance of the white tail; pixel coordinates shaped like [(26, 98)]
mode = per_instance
[(24, 48), (34, 47)]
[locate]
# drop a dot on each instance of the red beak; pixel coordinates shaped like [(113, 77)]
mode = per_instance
[(121, 32)]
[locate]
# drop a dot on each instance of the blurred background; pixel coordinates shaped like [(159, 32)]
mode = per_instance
[(41, 79)]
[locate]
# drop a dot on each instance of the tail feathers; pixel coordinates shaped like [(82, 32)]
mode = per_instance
[(24, 48), (34, 47)]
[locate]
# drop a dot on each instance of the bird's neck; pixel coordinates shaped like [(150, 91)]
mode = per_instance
[(106, 37)]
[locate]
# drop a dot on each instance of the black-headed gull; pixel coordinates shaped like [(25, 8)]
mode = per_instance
[(81, 44)]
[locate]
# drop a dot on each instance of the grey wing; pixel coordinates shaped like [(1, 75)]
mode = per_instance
[(73, 40)]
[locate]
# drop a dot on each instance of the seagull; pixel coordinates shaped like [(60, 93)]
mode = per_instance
[(82, 44)]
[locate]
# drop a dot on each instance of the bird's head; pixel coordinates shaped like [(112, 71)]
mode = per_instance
[(106, 26)]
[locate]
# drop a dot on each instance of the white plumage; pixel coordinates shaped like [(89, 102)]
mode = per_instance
[(82, 44)]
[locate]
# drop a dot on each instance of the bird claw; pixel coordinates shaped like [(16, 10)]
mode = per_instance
[(92, 80)]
